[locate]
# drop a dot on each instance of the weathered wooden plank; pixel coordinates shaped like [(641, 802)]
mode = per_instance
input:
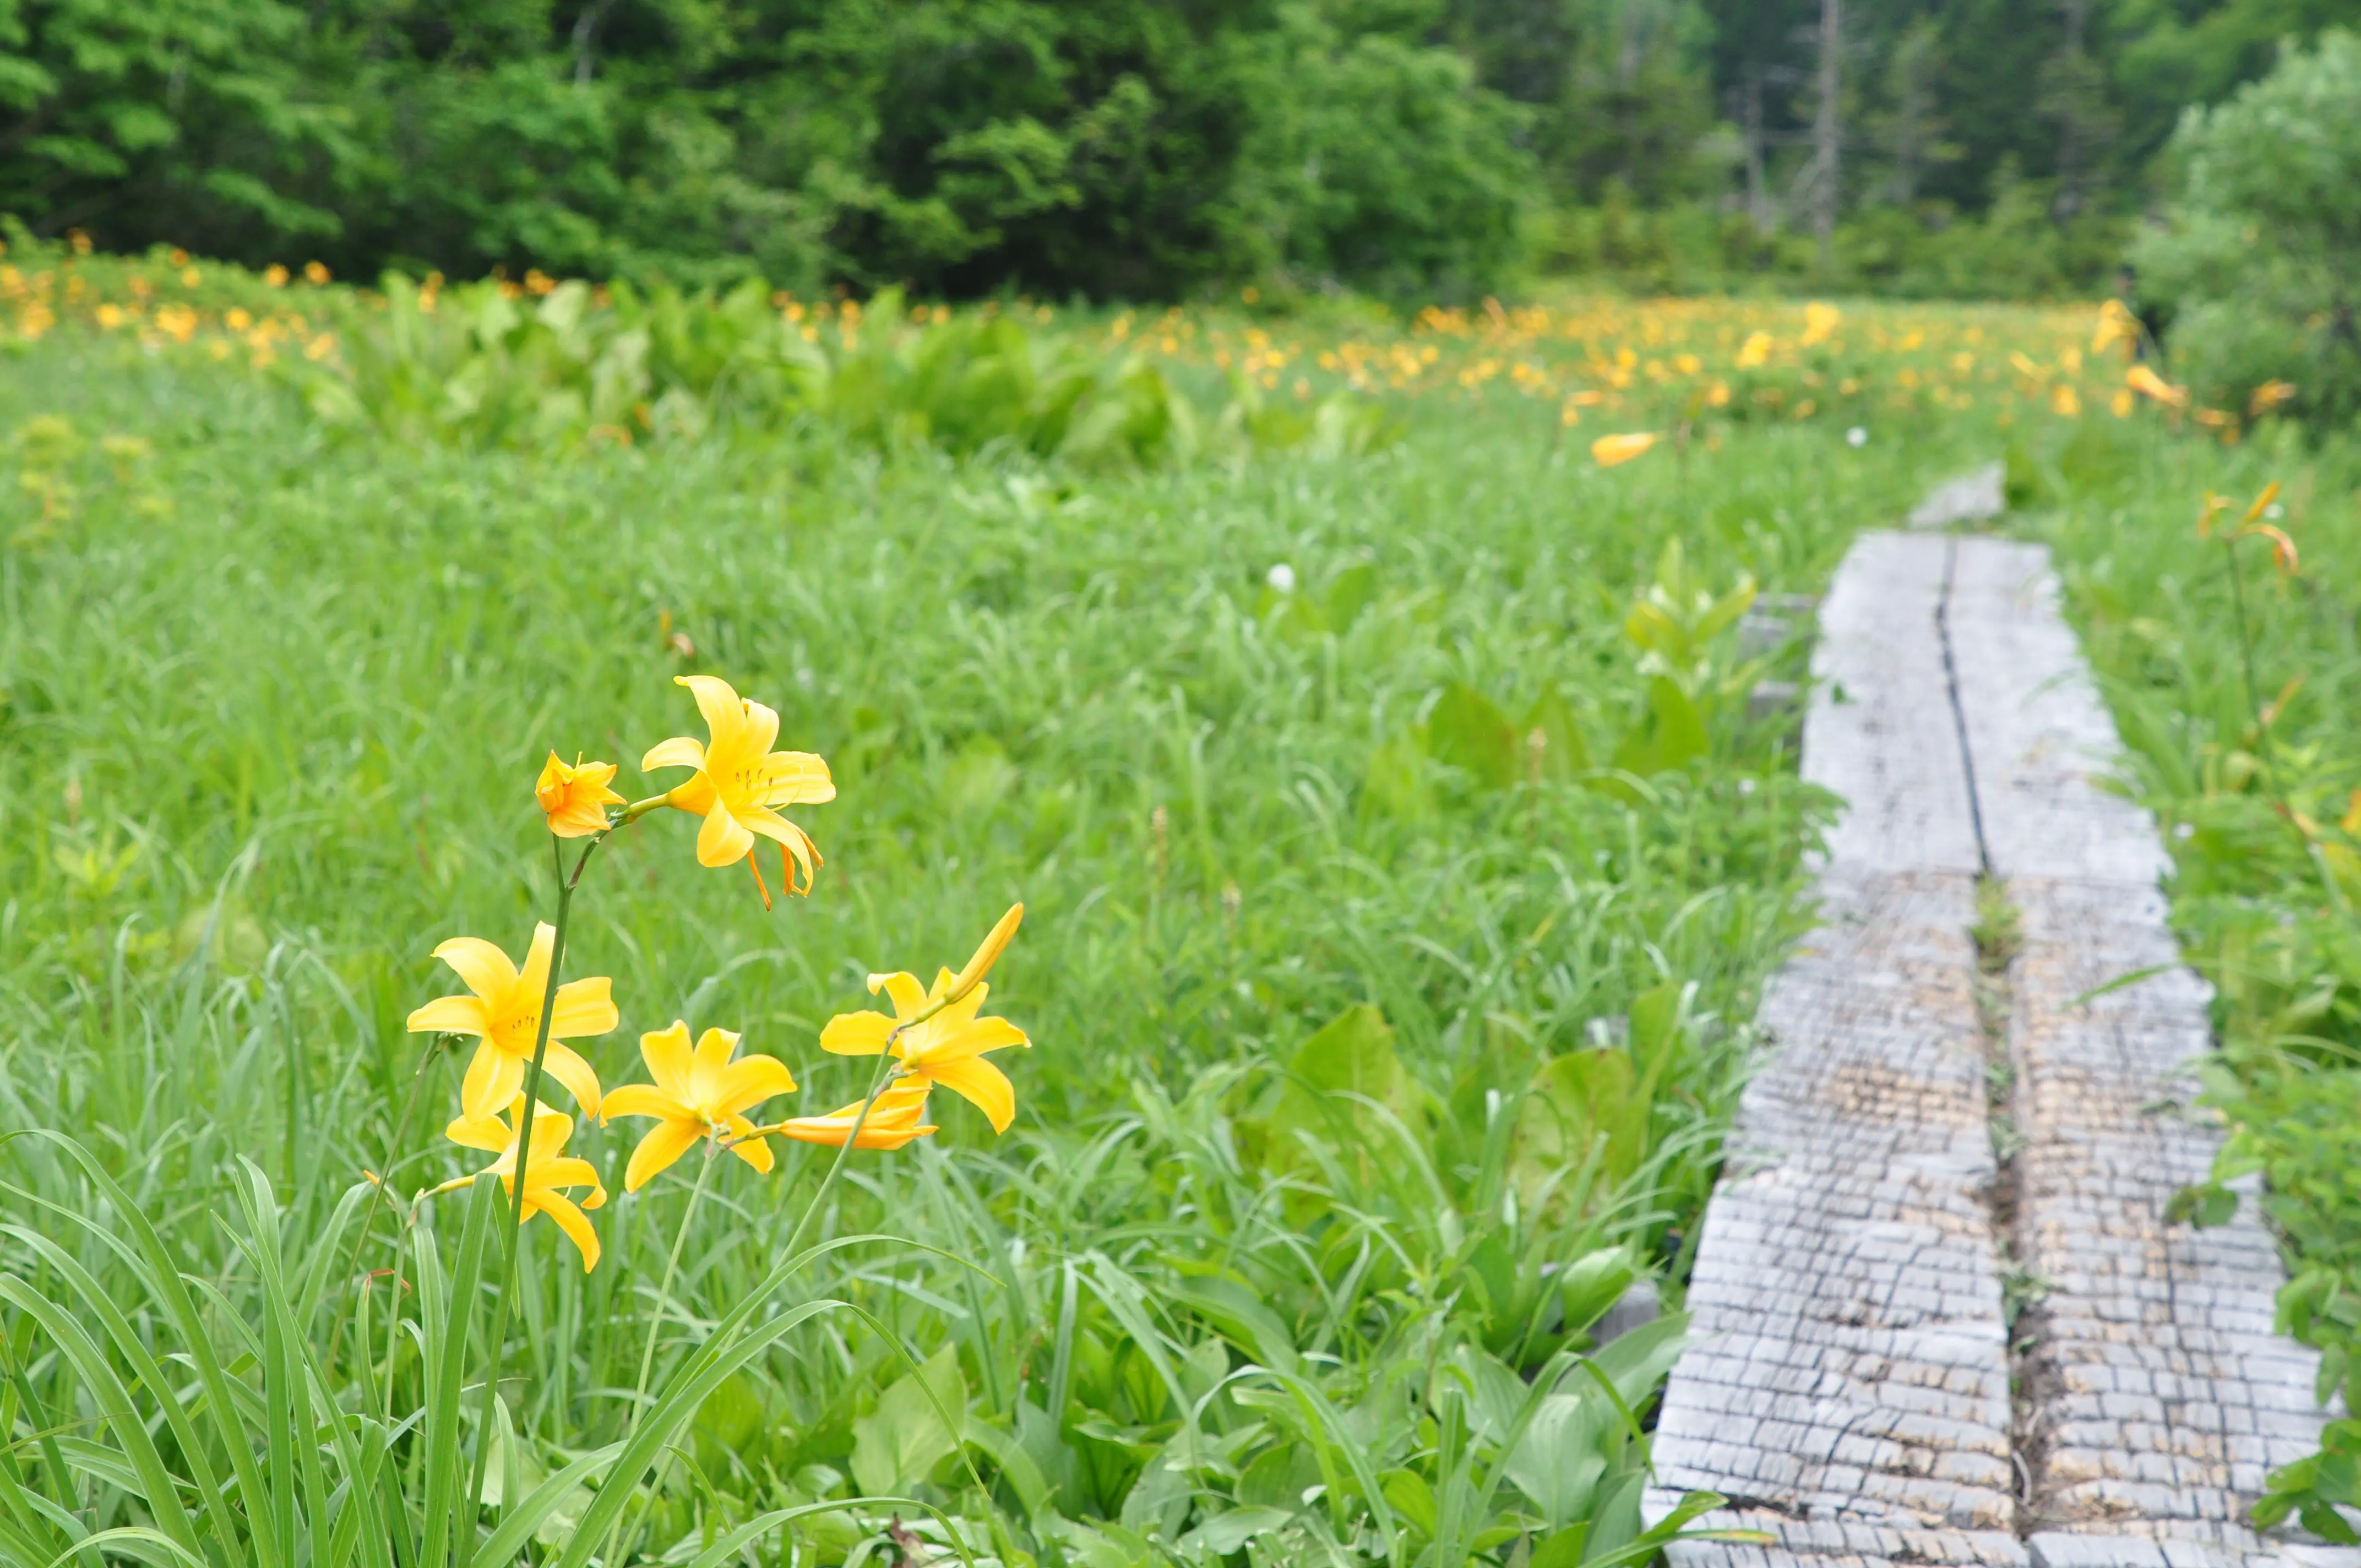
[(1853, 1398), (2039, 737), (2161, 1397), (1880, 730), (1854, 1403)]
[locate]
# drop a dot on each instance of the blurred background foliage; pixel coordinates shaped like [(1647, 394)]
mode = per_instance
[(1413, 148)]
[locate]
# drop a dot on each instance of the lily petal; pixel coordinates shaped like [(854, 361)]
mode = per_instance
[(762, 729), (487, 1133), (482, 968), (584, 1007), (908, 1000), (755, 1152), (533, 978), (725, 714), (571, 1221), (492, 1080), (980, 1084), (856, 1034), (451, 1015), (680, 752), (667, 1055), (796, 778), (644, 1100), (704, 1069), (723, 840), (964, 1040), (750, 1081), (563, 1064), (666, 1142)]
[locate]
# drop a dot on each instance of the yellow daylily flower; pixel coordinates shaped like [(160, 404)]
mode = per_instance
[(698, 1095), (548, 1170), (575, 798), (894, 1121), (935, 1033), (2148, 384), (740, 780), (2116, 325), (1609, 450), (2269, 396), (505, 1013)]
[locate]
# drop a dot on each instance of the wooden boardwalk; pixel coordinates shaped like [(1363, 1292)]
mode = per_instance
[(1864, 1396)]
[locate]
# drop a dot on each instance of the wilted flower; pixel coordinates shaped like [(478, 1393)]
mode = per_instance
[(895, 1119), (574, 798)]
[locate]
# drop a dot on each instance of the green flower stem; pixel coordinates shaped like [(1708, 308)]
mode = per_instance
[(2246, 641), (471, 1510)]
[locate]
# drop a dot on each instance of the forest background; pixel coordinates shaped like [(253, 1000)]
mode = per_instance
[(1411, 149)]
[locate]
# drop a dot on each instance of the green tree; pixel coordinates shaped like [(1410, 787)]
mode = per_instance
[(2262, 257), (136, 112)]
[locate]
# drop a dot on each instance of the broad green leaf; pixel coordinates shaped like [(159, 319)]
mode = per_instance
[(898, 1444)]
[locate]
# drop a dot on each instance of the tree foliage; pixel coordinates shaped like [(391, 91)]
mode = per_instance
[(1145, 148), (2263, 254)]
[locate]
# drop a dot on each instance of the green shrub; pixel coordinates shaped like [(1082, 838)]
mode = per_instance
[(2262, 258)]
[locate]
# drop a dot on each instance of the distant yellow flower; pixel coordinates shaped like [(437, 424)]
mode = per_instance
[(1755, 351), (2116, 325), (2269, 396), (2148, 384), (695, 1095), (935, 1033), (2282, 548), (2121, 404), (894, 1120), (505, 1013), (548, 1170), (575, 798), (1819, 322), (738, 780), (1609, 450), (2063, 400)]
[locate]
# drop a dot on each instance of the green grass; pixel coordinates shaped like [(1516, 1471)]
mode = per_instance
[(2244, 747), (271, 703)]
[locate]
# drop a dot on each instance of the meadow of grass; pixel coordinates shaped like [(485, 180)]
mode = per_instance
[(1401, 857)]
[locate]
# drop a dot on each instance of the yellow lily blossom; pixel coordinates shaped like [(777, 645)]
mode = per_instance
[(700, 1094), (2269, 396), (892, 1121), (935, 1033), (2148, 384), (740, 780), (505, 1013), (1755, 351), (1819, 322), (1609, 450), (548, 1170), (575, 798), (2116, 325)]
